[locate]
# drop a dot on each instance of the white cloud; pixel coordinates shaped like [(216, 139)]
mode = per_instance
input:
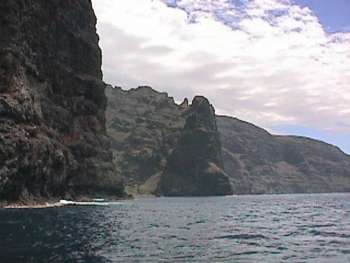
[(270, 62)]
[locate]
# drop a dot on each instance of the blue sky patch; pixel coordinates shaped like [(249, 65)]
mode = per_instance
[(333, 14)]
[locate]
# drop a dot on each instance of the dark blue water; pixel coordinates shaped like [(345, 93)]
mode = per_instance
[(280, 228)]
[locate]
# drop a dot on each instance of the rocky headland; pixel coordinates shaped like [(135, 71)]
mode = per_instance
[(61, 138), (158, 144), (164, 148), (195, 165)]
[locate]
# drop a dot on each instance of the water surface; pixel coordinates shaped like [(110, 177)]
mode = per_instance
[(268, 228)]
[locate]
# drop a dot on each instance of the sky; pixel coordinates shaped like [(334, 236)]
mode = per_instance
[(281, 64)]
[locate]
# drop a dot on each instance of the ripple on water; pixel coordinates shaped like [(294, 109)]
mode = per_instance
[(242, 236), (283, 228)]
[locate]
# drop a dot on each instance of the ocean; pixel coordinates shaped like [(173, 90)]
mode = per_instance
[(262, 228)]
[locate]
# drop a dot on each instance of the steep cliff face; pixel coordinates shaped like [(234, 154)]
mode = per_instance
[(151, 135), (195, 167), (259, 162), (144, 126), (148, 132), (52, 102)]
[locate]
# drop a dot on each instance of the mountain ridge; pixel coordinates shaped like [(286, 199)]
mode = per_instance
[(256, 161), (302, 137)]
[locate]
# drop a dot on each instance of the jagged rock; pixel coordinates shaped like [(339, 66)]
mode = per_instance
[(184, 104), (52, 102), (146, 127), (195, 166), (255, 161)]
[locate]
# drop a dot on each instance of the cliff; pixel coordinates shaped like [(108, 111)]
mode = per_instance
[(152, 135), (144, 126), (150, 141), (52, 124), (195, 167)]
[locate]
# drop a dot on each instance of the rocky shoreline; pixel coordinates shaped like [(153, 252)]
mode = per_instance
[(64, 133), (54, 203), (33, 206)]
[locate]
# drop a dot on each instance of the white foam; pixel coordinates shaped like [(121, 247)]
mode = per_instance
[(66, 202)]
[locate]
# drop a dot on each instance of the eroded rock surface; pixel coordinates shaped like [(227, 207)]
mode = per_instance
[(145, 126), (151, 134), (148, 131), (52, 102), (195, 167)]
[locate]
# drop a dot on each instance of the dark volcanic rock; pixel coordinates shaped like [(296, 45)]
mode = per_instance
[(195, 166), (149, 131), (52, 102)]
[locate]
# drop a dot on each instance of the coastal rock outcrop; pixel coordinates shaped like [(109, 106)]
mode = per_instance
[(195, 167), (52, 123), (151, 135), (144, 126), (147, 130)]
